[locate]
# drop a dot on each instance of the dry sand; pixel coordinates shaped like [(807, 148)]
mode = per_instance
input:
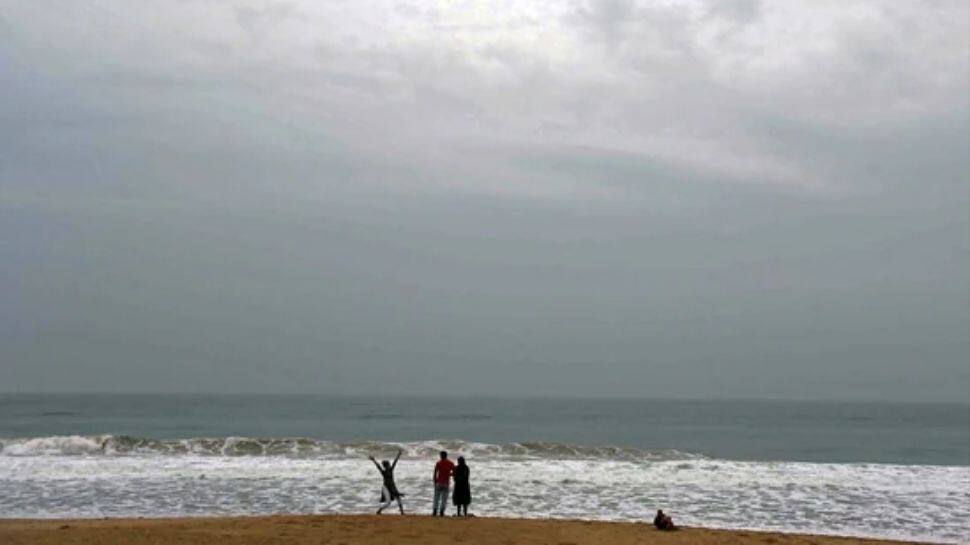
[(382, 530)]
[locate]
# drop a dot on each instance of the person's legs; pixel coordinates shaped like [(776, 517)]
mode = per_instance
[(388, 502), (386, 498), (440, 500), (400, 504), (437, 498)]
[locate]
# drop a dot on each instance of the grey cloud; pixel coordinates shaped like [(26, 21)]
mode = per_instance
[(740, 11), (258, 20), (295, 196)]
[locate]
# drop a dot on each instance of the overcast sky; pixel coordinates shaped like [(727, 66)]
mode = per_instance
[(728, 199)]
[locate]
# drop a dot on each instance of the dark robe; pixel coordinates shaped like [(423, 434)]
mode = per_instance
[(388, 475), (463, 492)]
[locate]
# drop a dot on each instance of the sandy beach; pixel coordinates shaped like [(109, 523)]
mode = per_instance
[(383, 530)]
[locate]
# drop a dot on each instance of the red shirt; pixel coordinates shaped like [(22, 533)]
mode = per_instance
[(442, 472)]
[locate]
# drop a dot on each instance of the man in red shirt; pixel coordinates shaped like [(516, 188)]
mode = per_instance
[(442, 481)]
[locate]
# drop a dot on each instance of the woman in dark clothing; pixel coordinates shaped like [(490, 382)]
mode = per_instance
[(462, 495), (389, 491)]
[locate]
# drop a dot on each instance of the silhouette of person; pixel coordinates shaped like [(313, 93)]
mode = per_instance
[(663, 522), (389, 492), (462, 495), (442, 482)]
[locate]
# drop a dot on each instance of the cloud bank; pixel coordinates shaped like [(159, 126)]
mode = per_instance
[(746, 198)]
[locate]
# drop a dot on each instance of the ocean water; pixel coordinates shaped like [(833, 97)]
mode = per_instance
[(879, 470)]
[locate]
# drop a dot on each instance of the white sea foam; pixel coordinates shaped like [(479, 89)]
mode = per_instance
[(107, 476), (55, 445), (121, 445)]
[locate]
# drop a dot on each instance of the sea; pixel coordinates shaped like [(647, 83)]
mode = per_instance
[(855, 469)]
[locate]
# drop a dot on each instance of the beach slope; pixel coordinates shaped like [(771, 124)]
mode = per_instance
[(383, 530)]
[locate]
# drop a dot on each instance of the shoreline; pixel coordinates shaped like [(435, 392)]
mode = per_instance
[(385, 529)]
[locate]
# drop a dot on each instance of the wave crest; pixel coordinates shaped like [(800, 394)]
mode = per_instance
[(125, 445)]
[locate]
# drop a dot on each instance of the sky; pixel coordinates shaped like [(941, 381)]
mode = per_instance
[(676, 199)]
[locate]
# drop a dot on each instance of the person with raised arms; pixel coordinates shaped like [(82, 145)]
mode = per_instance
[(389, 492)]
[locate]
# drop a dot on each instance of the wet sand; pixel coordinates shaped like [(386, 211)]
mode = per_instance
[(382, 530)]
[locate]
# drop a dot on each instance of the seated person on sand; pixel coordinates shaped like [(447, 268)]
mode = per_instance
[(663, 522)]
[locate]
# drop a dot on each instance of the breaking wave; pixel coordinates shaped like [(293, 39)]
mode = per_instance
[(123, 476), (125, 445)]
